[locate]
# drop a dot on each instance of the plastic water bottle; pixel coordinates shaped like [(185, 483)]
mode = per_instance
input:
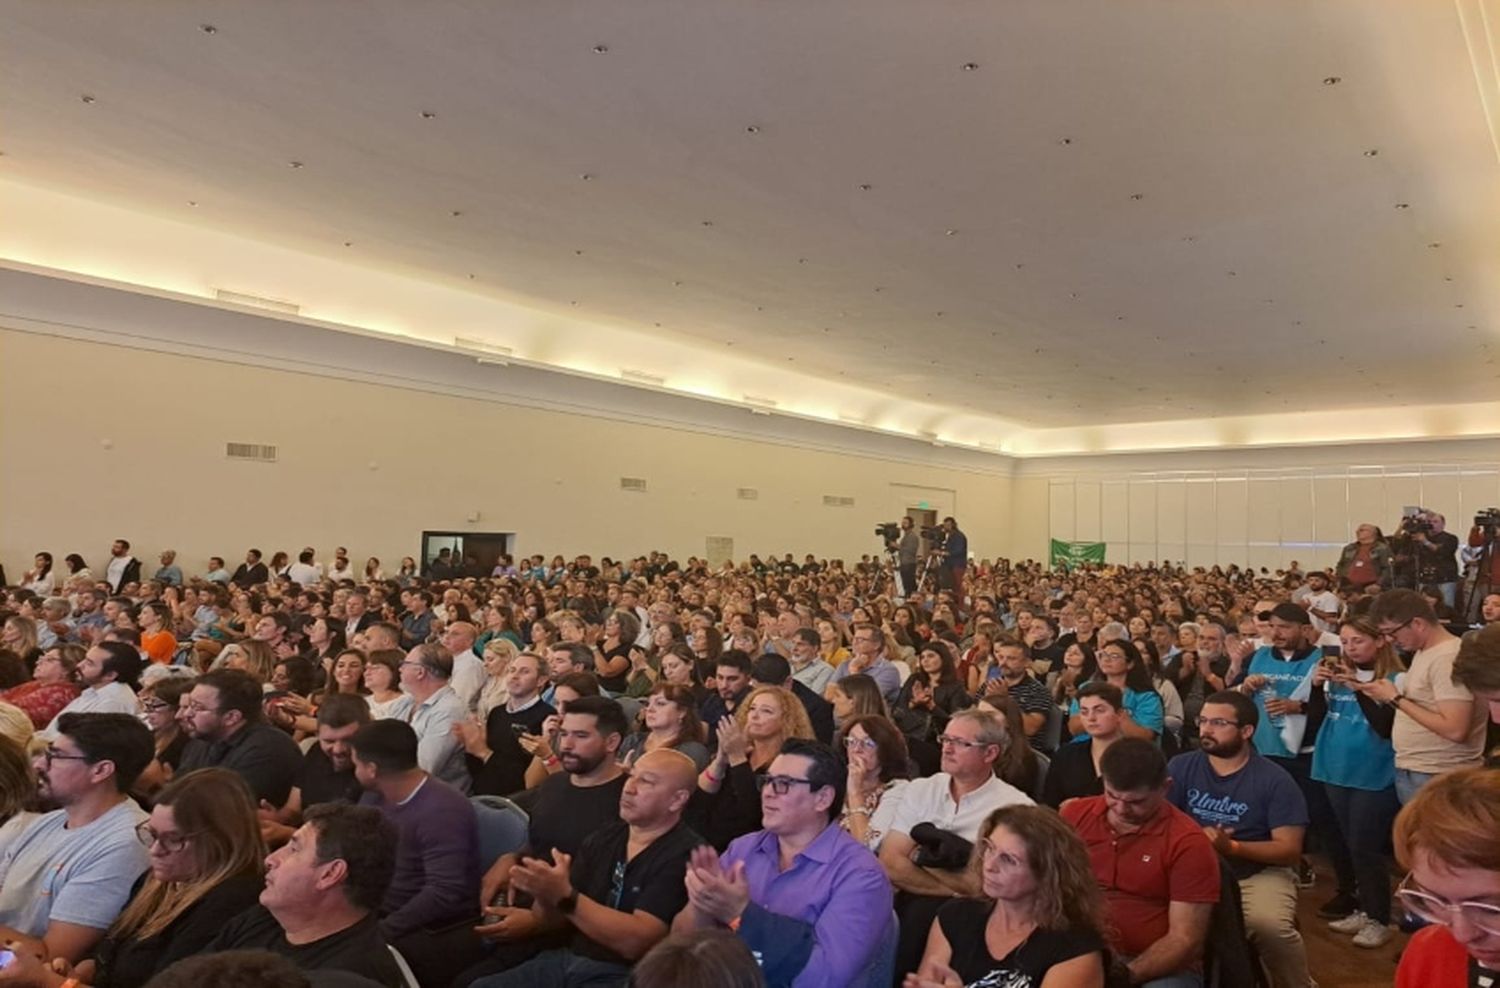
[(1267, 694)]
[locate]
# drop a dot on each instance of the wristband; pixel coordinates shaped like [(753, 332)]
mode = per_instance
[(551, 760), (734, 924)]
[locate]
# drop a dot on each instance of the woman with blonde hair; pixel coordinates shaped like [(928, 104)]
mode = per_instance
[(498, 653), (748, 742), (1041, 921), (18, 795), (20, 636), (205, 850), (254, 657)]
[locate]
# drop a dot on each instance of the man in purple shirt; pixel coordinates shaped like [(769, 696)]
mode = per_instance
[(810, 901)]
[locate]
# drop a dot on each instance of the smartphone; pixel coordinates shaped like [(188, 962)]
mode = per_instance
[(519, 730), (6, 957)]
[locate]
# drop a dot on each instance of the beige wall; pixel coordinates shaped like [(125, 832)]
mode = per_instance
[(370, 466)]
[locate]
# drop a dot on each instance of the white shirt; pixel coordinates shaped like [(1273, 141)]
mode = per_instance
[(304, 574), (1325, 601), (347, 573), (111, 698), (930, 801), (439, 753), (468, 677), (116, 571)]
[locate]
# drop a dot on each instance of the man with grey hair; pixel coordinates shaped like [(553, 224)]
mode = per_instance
[(53, 625), (169, 573), (432, 709), (1114, 631)]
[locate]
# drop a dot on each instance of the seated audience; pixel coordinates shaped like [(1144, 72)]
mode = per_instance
[(615, 897), (228, 730), (748, 743), (670, 717), (771, 669), (326, 774), (809, 900), (65, 876), (108, 673), (497, 657), (1448, 839), (855, 696), (383, 682), (731, 687), (698, 959), (871, 658), (877, 778), (160, 703), (1012, 677), (51, 687), (432, 708), (931, 694), (807, 663), (437, 853), (1158, 872), (1074, 771), (495, 758), (322, 891), (1121, 665), (1040, 921), (1253, 813)]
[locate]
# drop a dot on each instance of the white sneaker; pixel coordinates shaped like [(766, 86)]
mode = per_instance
[(1373, 934), (1352, 923)]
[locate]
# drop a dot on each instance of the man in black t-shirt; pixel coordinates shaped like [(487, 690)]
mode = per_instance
[(619, 893), (322, 890), (495, 757), (327, 771)]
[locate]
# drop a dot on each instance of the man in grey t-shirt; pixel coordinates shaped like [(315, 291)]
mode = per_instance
[(66, 876)]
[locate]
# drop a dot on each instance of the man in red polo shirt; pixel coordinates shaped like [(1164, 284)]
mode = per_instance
[(1159, 873)]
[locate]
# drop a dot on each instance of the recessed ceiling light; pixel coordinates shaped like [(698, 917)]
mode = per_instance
[(348, 243), (455, 213), (294, 164), (428, 115), (752, 129), (1403, 205), (676, 284), (1372, 152), (87, 98), (1434, 245), (1332, 80), (600, 49), (950, 233), (586, 177), (865, 187), (801, 260), (969, 66), (708, 222), (1230, 273), (1137, 196), (578, 253), (208, 29), (1065, 141)]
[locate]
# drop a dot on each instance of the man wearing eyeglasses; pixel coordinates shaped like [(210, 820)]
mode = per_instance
[(809, 900), (869, 658), (1254, 814), (1439, 725), (65, 878), (225, 719), (432, 709)]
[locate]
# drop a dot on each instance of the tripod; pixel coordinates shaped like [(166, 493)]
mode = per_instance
[(1481, 585), (930, 569)]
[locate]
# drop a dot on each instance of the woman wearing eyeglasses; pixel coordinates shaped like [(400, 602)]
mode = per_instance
[(205, 850), (1040, 921), (878, 772), (159, 706), (1449, 838)]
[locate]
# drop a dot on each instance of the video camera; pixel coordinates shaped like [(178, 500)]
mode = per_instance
[(1488, 520), (889, 531), (935, 533), (1412, 524)]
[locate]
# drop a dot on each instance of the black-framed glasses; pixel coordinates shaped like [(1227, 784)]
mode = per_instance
[(1391, 635), (171, 843), (51, 754), (1435, 909), (780, 784)]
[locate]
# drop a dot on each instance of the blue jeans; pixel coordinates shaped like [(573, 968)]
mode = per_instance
[(1408, 782), (1365, 817), (1449, 592), (559, 969)]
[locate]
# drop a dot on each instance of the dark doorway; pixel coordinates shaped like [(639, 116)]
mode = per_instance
[(484, 547)]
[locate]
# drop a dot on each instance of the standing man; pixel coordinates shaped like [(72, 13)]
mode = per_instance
[(169, 572), (908, 549), (123, 567), (1439, 725), (955, 560), (1437, 557), (250, 572), (341, 569)]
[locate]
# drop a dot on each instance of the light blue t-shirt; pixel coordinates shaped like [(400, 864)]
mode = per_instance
[(1145, 709), (83, 876), (1349, 753)]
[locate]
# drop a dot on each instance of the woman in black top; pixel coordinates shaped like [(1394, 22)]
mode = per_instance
[(159, 708), (1041, 921), (205, 850)]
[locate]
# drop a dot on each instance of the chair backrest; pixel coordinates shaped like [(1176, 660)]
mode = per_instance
[(502, 827), (881, 971), (1043, 765), (1052, 729), (407, 977)]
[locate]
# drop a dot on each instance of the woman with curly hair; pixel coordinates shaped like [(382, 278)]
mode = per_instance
[(748, 742), (1041, 920)]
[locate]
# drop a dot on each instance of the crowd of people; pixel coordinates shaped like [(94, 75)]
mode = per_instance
[(778, 773)]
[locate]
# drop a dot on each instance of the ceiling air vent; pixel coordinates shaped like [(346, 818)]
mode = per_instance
[(747, 494), (257, 452), (834, 501), (636, 485)]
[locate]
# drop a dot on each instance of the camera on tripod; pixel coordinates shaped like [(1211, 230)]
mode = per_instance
[(889, 531), (1412, 524), (935, 533), (1488, 520)]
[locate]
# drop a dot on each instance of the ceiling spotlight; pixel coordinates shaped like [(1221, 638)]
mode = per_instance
[(600, 49), (294, 164), (1065, 141), (192, 202), (208, 29), (578, 253), (87, 98), (1137, 196), (348, 243), (1434, 245), (455, 213), (865, 187), (969, 66), (1332, 80), (1372, 152), (586, 177), (752, 129), (1403, 205), (428, 115), (708, 223), (950, 233)]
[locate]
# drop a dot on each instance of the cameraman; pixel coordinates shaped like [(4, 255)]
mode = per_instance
[(1436, 555), (955, 559), (907, 547), (1484, 538)]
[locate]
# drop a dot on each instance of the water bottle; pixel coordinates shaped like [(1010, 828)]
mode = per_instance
[(1268, 693)]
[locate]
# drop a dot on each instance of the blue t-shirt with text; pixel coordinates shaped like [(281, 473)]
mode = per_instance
[(1250, 803)]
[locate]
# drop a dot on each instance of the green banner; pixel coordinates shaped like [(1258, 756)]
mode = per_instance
[(1066, 555)]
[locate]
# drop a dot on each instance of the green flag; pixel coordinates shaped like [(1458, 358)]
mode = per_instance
[(1066, 555)]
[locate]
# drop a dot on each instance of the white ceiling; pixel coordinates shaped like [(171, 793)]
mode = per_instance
[(1059, 213)]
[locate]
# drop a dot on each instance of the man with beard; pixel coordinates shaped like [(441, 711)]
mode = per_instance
[(66, 876), (327, 772), (570, 806), (1253, 813)]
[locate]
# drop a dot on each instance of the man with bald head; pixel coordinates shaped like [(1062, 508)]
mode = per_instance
[(617, 896), (459, 637)]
